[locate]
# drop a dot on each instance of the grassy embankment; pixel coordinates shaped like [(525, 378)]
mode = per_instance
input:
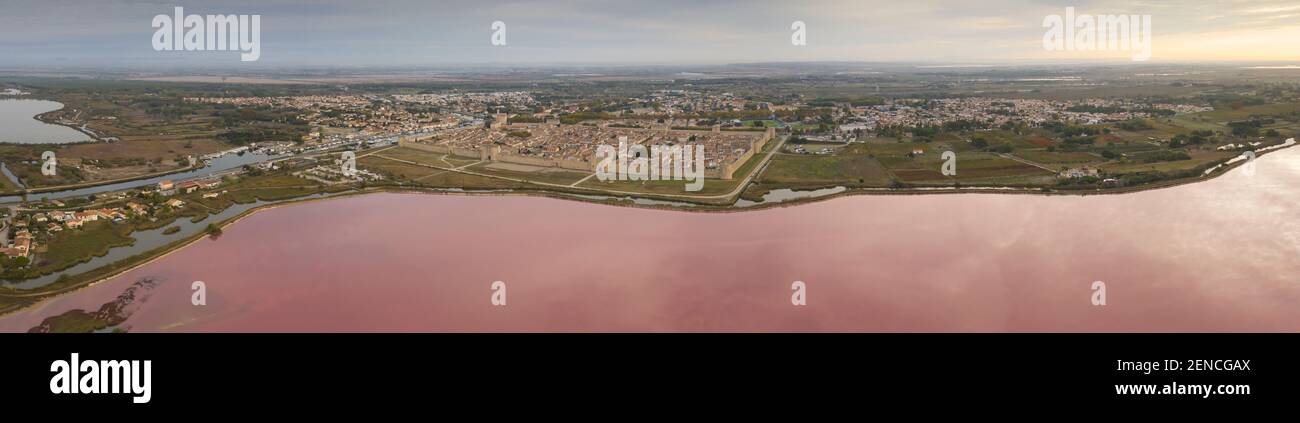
[(70, 247)]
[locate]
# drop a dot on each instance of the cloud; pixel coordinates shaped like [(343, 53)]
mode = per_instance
[(405, 32)]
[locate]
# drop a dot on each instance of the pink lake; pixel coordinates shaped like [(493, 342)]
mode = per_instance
[(1220, 255)]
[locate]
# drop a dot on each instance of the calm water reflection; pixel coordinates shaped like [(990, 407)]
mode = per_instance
[(17, 123), (1213, 256)]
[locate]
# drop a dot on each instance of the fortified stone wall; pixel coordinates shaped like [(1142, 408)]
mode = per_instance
[(493, 153), (578, 165), (728, 170)]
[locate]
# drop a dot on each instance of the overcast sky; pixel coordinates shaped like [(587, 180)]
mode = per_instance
[(433, 32)]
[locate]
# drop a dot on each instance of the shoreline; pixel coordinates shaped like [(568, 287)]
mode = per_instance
[(43, 118), (700, 204), (167, 250), (46, 190), (1043, 191), (157, 254)]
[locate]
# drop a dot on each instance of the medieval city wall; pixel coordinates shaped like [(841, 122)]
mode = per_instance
[(493, 153)]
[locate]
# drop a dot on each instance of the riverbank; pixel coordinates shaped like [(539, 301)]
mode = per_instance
[(422, 257), (71, 283), (46, 190), (66, 284), (1218, 170), (1045, 191), (47, 119)]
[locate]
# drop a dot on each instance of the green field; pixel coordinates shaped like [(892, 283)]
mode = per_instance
[(794, 170), (69, 247), (766, 123)]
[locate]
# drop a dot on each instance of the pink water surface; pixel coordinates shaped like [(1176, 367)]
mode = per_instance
[(1220, 255)]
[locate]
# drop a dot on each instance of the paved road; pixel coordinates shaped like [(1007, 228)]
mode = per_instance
[(8, 220), (1037, 165)]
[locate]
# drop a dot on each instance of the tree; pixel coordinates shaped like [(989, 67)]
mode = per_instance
[(1109, 155), (214, 230)]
